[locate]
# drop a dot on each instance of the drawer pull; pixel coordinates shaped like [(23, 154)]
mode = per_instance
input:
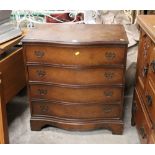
[(109, 75), (44, 108), (39, 54), (110, 55), (149, 100), (41, 73), (145, 71), (108, 94), (107, 109), (42, 91), (142, 132), (153, 66)]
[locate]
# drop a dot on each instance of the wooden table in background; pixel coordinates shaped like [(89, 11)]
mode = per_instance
[(12, 80)]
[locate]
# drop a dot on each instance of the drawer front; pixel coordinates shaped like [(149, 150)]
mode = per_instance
[(150, 101), (79, 95), (142, 121), (143, 57), (152, 64), (76, 111), (76, 56), (76, 76), (141, 87)]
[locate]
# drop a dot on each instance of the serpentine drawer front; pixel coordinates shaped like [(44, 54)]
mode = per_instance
[(76, 75), (76, 94), (83, 111), (99, 76), (145, 81), (76, 56)]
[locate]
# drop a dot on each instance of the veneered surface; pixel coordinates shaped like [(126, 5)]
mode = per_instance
[(75, 34)]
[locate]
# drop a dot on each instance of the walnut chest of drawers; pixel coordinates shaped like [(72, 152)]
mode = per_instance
[(75, 76), (143, 111)]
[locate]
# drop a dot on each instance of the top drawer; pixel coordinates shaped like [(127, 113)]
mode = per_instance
[(88, 56)]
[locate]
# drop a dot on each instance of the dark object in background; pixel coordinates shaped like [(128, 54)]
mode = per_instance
[(65, 17), (7, 30), (5, 16), (130, 77)]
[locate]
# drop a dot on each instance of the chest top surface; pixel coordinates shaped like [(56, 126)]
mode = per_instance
[(147, 23), (77, 34)]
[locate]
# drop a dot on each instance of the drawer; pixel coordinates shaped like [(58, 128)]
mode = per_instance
[(76, 111), (76, 76), (77, 94), (152, 64), (143, 123), (141, 87), (87, 56), (150, 101), (145, 46), (143, 57)]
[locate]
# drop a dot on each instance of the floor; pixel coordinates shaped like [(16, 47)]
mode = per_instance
[(20, 133)]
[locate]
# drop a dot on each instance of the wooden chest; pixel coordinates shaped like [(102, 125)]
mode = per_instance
[(75, 76), (144, 98)]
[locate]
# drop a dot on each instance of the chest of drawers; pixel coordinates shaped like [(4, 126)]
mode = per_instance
[(75, 76), (144, 98)]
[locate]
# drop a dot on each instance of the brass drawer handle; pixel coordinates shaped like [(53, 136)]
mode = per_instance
[(42, 92), (149, 100), (107, 109), (108, 94), (41, 73), (109, 75), (44, 108), (110, 55), (39, 54), (145, 71), (142, 132), (153, 66)]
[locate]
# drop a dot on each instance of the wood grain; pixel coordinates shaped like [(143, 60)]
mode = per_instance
[(76, 94), (147, 23), (98, 76), (3, 117), (143, 123), (84, 56), (77, 34), (12, 68)]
